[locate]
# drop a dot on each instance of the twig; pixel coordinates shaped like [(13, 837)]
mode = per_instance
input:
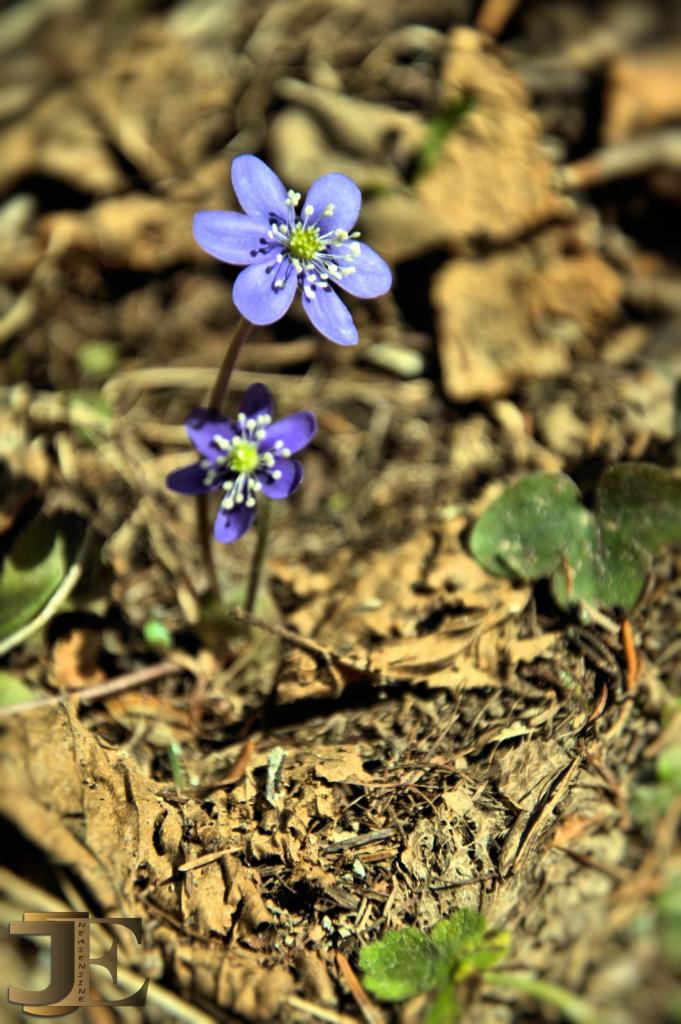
[(599, 706), (657, 151), (320, 1012), (303, 642), (370, 1012), (127, 681), (207, 858), (630, 656), (655, 294), (494, 15), (364, 840)]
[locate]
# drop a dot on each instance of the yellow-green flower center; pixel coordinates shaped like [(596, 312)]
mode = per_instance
[(303, 243), (244, 456)]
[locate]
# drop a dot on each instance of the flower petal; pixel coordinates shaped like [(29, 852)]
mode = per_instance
[(255, 296), (189, 480), (342, 193), (293, 431), (258, 189), (291, 475), (231, 237), (229, 526), (372, 274), (257, 400), (202, 425), (329, 315)]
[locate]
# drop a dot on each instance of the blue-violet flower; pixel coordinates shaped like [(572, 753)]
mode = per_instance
[(283, 249), (243, 458)]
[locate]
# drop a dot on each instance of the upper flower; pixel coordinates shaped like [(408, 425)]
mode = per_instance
[(285, 246), (244, 457)]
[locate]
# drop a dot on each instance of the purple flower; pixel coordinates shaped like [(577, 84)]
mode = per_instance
[(244, 457), (282, 249)]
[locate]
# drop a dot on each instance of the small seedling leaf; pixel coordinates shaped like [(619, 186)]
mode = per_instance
[(402, 964), (642, 502), (460, 934), (600, 568), (523, 534)]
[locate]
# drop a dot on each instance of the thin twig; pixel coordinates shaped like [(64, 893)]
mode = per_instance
[(657, 151), (127, 681), (370, 1012), (303, 642), (494, 15), (320, 1012), (630, 656)]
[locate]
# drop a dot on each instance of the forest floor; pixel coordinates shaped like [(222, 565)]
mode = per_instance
[(401, 734)]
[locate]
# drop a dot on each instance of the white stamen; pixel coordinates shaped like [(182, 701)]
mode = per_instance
[(309, 210), (328, 210), (276, 474)]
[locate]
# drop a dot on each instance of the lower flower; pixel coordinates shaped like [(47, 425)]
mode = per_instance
[(244, 458)]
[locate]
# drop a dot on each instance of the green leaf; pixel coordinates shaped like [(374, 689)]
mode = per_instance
[(668, 766), (524, 533), (98, 359), (157, 635), (444, 1008), (14, 690), (442, 124), (464, 946), (600, 567), (402, 964), (459, 934), (642, 502), (34, 568)]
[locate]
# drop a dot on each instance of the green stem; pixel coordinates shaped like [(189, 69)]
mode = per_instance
[(258, 564), (215, 400), (571, 1006)]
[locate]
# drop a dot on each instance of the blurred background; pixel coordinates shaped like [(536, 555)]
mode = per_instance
[(520, 163)]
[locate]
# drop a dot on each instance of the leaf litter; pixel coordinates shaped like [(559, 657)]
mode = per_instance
[(410, 736)]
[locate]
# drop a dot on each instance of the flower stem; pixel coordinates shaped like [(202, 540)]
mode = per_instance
[(217, 395), (215, 400), (258, 564)]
